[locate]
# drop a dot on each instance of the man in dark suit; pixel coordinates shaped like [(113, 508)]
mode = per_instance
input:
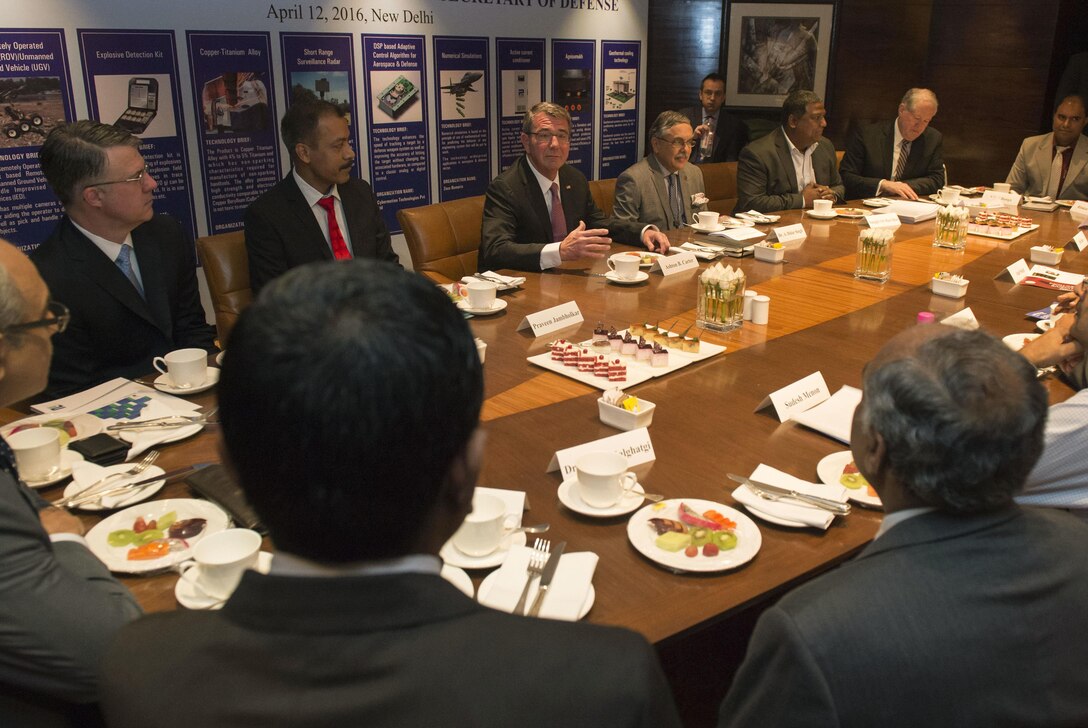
[(793, 165), (728, 133), (59, 606), (361, 469), (128, 275), (539, 212), (967, 609), (318, 211), (900, 158)]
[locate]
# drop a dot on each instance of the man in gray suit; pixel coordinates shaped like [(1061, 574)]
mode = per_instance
[(967, 609), (361, 470), (59, 606), (1055, 164), (662, 189), (793, 165)]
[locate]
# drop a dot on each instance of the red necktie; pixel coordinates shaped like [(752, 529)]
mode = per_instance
[(559, 221), (336, 238)]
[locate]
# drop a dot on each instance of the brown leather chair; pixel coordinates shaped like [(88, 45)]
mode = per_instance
[(720, 183), (604, 194), (226, 267), (838, 157), (444, 238)]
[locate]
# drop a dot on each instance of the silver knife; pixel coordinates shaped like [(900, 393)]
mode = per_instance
[(80, 498), (546, 577), (826, 504)]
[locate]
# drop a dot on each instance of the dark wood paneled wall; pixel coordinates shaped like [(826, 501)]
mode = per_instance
[(994, 65)]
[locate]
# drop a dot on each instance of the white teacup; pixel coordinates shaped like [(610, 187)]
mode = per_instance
[(603, 478), (1002, 187), (483, 529), (708, 219), (37, 452), (949, 195), (625, 265), (822, 207), (222, 557), (481, 294), (185, 367)]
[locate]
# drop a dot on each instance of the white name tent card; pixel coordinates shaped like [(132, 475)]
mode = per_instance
[(552, 319), (797, 397), (835, 416), (788, 233), (634, 445), (1079, 241), (1016, 272), (1079, 209), (1000, 199), (964, 319), (887, 220), (676, 263)]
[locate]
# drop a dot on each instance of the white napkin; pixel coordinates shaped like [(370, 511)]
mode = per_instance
[(143, 440), (757, 217), (507, 281), (834, 416), (790, 510), (964, 319), (701, 253), (85, 475), (566, 595)]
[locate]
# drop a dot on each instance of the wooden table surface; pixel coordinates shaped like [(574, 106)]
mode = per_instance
[(821, 318)]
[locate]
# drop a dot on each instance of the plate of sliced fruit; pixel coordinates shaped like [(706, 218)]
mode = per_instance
[(838, 469), (688, 534), (154, 535)]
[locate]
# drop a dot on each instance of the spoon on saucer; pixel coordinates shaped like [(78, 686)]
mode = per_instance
[(538, 528)]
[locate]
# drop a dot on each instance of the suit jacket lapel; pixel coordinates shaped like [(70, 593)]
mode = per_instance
[(1076, 164), (887, 150), (657, 179), (536, 199), (1043, 160), (785, 159), (299, 207), (572, 211), (156, 287), (354, 218)]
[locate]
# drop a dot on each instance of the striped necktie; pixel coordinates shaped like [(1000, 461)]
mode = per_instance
[(901, 165)]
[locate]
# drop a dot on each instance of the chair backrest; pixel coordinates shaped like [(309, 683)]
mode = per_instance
[(720, 183), (226, 267), (444, 238), (604, 194), (838, 157)]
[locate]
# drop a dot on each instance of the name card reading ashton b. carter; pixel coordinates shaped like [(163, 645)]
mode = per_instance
[(676, 263), (797, 397), (634, 445), (552, 319)]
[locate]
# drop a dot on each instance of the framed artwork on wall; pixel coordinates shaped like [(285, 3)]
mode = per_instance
[(775, 48)]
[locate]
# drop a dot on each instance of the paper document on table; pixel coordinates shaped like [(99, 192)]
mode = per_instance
[(833, 417), (912, 212), (108, 393)]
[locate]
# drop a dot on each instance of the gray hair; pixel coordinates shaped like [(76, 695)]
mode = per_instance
[(544, 107), (76, 152), (12, 303), (962, 418), (915, 96), (666, 120), (796, 104)]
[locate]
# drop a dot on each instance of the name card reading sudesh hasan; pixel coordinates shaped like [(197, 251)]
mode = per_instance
[(552, 319)]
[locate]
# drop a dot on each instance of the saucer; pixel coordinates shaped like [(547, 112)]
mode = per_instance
[(1016, 341), (639, 277), (191, 597), (219, 358), (822, 215), (568, 496), (450, 555), (497, 306), (81, 482), (162, 383), (67, 458), (707, 229), (459, 579), (1047, 324)]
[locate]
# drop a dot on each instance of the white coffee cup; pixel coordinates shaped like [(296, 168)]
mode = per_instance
[(823, 207), (37, 452), (481, 294), (708, 219), (625, 265), (950, 195), (603, 478), (483, 529), (222, 557), (185, 367), (1002, 187)]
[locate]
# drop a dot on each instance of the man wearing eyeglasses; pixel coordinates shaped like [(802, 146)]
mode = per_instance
[(900, 158), (59, 606), (539, 212), (128, 275), (719, 135), (662, 189)]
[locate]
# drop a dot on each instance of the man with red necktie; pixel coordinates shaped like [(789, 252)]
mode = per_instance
[(318, 211)]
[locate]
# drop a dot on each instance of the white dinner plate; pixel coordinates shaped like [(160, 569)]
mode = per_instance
[(87, 476), (450, 555), (68, 458), (642, 536), (1016, 341), (829, 469), (1049, 323), (822, 215), (707, 228), (459, 579), (568, 496), (219, 358), (115, 557), (639, 277), (163, 383), (489, 582), (75, 427), (497, 305), (190, 596), (149, 438)]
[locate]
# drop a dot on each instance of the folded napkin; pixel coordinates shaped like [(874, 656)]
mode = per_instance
[(757, 216), (506, 281), (834, 416), (964, 319), (143, 440), (788, 509), (566, 595), (85, 475), (700, 252)]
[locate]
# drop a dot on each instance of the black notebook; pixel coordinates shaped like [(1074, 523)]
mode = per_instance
[(215, 483)]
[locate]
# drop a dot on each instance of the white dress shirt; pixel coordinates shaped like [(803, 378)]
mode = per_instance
[(1060, 478), (312, 195), (802, 163), (549, 256)]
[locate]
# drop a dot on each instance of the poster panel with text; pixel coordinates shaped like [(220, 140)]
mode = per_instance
[(396, 111), (619, 107), (520, 62), (573, 62), (131, 77), (35, 96), (236, 119), (463, 81), (322, 66)]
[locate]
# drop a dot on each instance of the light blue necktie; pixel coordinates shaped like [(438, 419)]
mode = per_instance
[(124, 262)]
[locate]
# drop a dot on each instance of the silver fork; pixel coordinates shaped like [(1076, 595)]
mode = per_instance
[(146, 462), (537, 559)]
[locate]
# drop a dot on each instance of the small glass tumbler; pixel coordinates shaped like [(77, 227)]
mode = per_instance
[(950, 229), (719, 305), (874, 260)]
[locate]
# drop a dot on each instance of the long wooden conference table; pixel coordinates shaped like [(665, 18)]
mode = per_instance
[(705, 425)]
